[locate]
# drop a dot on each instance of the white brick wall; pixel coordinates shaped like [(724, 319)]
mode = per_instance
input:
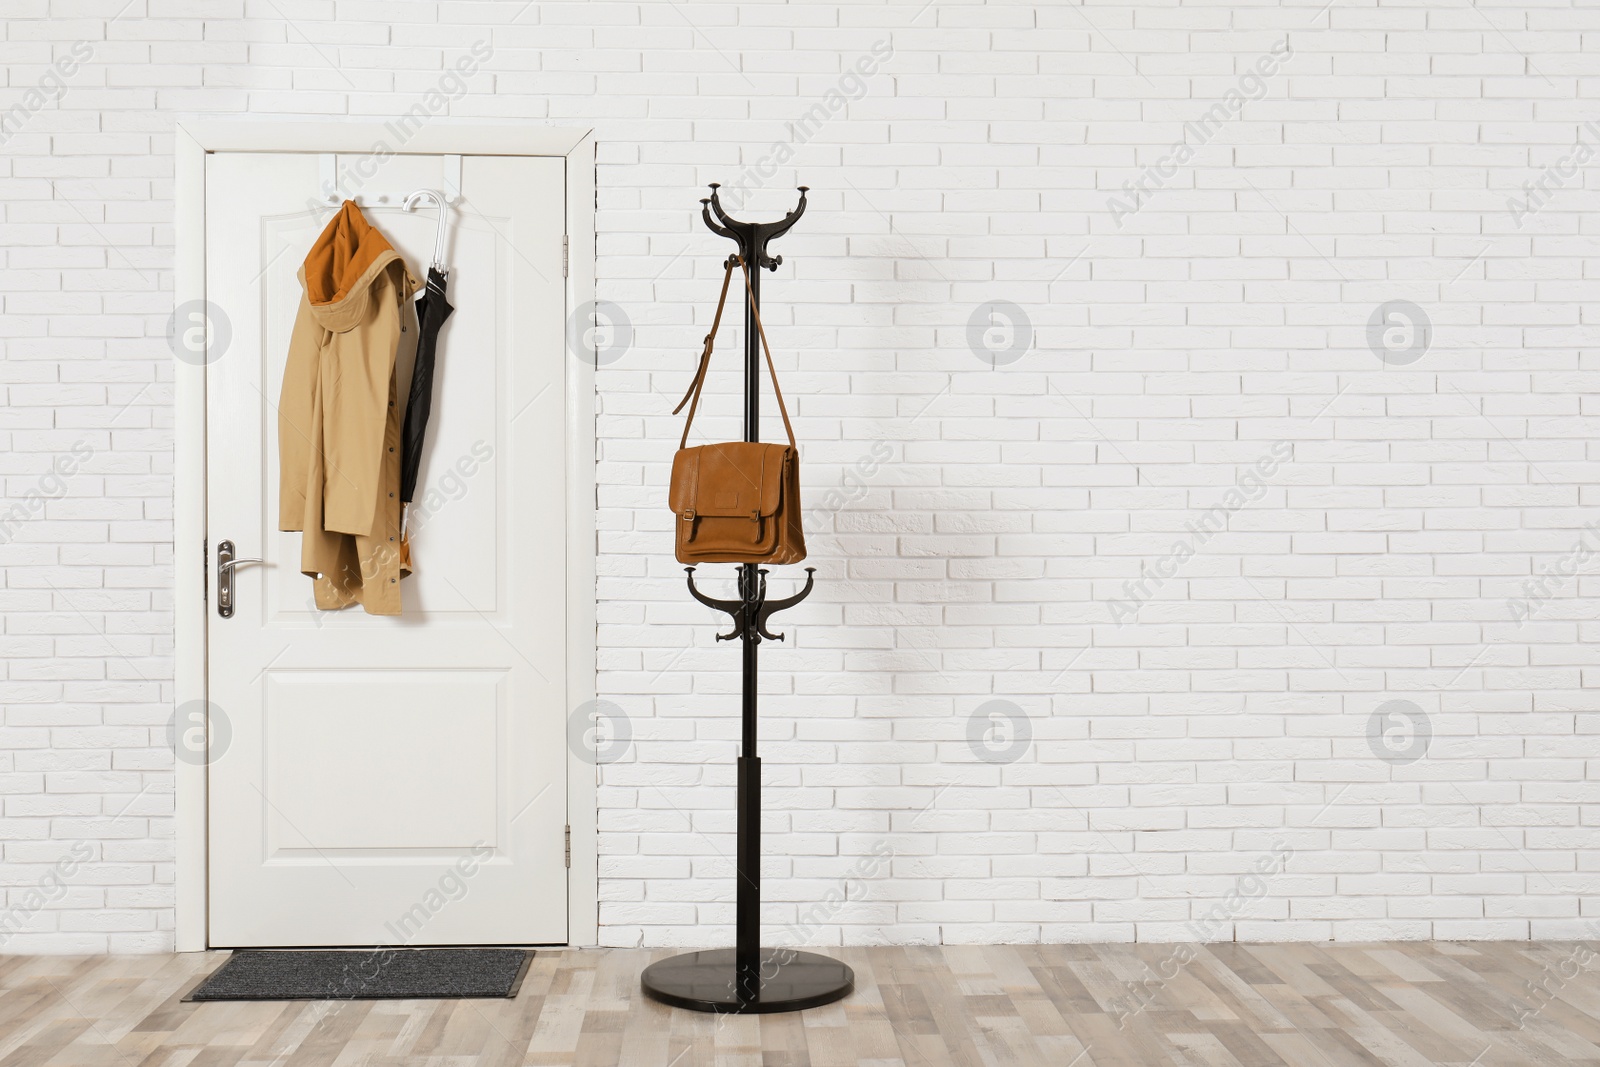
[(988, 520)]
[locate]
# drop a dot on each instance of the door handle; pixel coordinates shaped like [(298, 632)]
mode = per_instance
[(225, 564)]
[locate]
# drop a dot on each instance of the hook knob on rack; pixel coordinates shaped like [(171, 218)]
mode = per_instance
[(360, 199)]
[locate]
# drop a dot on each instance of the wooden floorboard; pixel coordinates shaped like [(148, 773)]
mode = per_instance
[(1416, 1004)]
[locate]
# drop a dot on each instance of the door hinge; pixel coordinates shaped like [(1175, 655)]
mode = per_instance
[(566, 260), (205, 571), (569, 846)]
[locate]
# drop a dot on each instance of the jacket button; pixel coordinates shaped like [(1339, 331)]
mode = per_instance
[(391, 450), (391, 581), (391, 495), (391, 539)]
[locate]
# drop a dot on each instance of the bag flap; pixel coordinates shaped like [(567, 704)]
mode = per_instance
[(736, 479)]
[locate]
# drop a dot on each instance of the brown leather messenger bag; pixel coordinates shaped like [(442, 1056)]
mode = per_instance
[(738, 501)]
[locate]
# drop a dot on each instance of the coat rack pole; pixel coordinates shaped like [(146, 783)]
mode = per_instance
[(747, 891), (747, 906), (748, 979), (752, 357)]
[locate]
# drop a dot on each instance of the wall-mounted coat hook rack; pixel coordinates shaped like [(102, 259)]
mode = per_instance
[(332, 184)]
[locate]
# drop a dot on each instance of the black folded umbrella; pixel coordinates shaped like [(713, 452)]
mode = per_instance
[(432, 310)]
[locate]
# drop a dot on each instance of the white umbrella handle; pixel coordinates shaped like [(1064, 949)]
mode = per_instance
[(438, 244)]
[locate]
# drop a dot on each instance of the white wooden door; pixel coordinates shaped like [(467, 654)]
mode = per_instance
[(396, 780)]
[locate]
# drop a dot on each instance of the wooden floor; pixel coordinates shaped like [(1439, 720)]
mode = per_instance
[(1057, 1006)]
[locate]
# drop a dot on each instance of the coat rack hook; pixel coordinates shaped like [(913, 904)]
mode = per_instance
[(770, 607), (734, 608), (722, 231)]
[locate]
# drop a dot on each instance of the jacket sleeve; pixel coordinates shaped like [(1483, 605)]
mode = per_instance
[(297, 428), (357, 390)]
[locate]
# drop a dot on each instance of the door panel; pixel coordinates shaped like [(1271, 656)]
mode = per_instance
[(425, 780), (367, 758)]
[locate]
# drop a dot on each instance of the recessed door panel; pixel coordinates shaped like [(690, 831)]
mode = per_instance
[(383, 760)]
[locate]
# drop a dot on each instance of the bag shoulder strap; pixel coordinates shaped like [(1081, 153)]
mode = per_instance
[(695, 385), (771, 369), (692, 397)]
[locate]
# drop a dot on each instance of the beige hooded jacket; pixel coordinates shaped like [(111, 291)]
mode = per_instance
[(338, 419)]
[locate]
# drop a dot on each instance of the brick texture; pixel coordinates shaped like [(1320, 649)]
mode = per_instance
[(1198, 438)]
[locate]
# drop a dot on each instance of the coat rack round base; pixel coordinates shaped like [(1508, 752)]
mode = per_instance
[(749, 979), (784, 979)]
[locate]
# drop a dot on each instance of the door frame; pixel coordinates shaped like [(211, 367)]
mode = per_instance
[(194, 138)]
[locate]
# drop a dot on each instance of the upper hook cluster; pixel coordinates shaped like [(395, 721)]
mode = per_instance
[(752, 237)]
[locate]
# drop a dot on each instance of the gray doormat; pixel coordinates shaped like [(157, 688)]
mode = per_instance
[(366, 974)]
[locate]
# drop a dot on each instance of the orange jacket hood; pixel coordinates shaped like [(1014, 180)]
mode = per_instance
[(339, 270)]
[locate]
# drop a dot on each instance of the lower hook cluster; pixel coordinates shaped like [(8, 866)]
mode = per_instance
[(752, 610)]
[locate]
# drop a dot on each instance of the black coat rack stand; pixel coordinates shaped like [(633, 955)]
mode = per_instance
[(749, 979)]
